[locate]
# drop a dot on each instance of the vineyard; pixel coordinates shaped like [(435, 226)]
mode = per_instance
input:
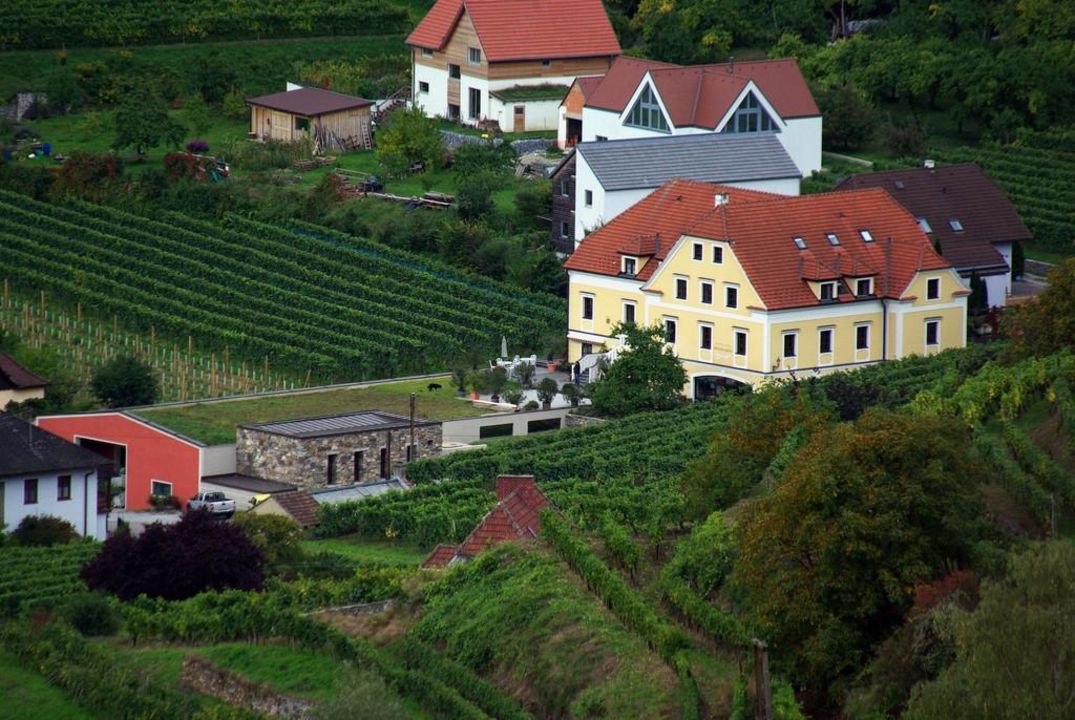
[(74, 23), (303, 300), (41, 575), (1039, 177)]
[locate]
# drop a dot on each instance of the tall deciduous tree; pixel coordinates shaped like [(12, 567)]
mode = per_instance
[(649, 376), (142, 122), (868, 510), (1046, 324), (408, 138), (1015, 655), (124, 381)]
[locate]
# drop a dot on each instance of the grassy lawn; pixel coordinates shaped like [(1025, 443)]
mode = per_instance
[(1034, 253), (366, 551), (214, 422), (25, 695)]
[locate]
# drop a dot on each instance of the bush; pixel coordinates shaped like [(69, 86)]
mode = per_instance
[(363, 690), (165, 502), (45, 531), (198, 146), (275, 535), (92, 614), (177, 561), (125, 381), (547, 390)]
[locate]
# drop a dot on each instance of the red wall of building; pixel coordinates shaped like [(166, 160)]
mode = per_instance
[(151, 454)]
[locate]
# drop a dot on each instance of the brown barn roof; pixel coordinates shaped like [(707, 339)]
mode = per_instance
[(953, 192), (15, 377), (515, 30), (309, 102), (299, 505)]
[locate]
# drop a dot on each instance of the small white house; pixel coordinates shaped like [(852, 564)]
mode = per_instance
[(643, 98), (43, 474)]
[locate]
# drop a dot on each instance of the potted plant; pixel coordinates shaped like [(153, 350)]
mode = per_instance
[(459, 379), (524, 373), (495, 379), (475, 384), (513, 392), (546, 391), (571, 392)]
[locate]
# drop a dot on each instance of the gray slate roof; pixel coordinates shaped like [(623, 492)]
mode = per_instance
[(357, 422), (357, 492), (248, 483), (27, 450), (706, 157)]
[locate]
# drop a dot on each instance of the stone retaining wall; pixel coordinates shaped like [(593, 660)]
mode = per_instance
[(203, 676)]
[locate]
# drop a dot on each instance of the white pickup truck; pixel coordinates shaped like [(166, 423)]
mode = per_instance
[(215, 502)]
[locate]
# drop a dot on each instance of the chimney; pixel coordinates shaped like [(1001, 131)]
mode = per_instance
[(929, 164), (720, 199), (507, 484)]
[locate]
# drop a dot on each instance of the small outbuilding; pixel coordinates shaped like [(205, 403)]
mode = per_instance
[(17, 384), (332, 120)]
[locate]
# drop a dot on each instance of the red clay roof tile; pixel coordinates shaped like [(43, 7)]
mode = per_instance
[(513, 30), (439, 557)]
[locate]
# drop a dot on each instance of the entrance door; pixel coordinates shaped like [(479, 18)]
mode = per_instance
[(520, 118), (474, 109), (384, 463)]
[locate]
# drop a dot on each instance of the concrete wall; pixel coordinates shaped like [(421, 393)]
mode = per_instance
[(540, 114), (304, 461), (218, 460), (80, 510), (468, 430)]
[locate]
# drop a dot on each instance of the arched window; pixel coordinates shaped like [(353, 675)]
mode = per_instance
[(750, 117), (647, 113)]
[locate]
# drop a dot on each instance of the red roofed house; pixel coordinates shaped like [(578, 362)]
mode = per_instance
[(17, 384), (645, 98), (507, 60), (516, 516), (967, 216), (750, 285)]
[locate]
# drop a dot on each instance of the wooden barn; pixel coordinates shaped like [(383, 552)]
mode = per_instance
[(332, 120)]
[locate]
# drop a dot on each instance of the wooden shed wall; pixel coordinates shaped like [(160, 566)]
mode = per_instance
[(275, 125)]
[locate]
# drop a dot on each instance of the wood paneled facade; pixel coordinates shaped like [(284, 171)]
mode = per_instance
[(268, 124)]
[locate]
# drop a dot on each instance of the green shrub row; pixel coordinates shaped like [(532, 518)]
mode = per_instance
[(619, 543), (1026, 490), (1039, 464), (33, 577)]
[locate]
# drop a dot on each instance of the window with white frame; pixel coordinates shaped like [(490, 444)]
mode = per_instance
[(731, 296), (706, 292), (629, 266), (933, 289), (791, 343), (629, 309), (824, 341), (160, 488), (718, 254), (828, 291), (697, 250), (933, 332), (862, 336), (705, 336), (587, 307), (863, 287), (474, 55), (750, 117), (681, 288), (646, 113), (740, 343), (588, 196), (670, 330)]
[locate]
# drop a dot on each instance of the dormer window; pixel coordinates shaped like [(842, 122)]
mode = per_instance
[(833, 240), (864, 287), (924, 225), (955, 225), (828, 291), (750, 117), (799, 243), (647, 113), (866, 236), (630, 266)]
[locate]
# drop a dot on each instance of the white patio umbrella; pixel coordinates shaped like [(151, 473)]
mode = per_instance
[(503, 346)]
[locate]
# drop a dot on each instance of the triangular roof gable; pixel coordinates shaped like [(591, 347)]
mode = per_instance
[(683, 241), (750, 88), (636, 99)]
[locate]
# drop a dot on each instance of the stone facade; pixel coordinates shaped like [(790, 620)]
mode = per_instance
[(202, 676), (305, 461)]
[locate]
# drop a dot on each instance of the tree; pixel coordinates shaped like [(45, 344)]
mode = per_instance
[(178, 561), (1015, 654), (828, 561), (978, 301), (850, 116), (474, 199), (276, 536), (648, 376), (408, 138), (1046, 324), (142, 121), (547, 390), (124, 381)]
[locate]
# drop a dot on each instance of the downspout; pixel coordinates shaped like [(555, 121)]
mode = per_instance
[(884, 300), (86, 505)]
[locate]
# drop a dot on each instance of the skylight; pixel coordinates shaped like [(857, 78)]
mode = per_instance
[(899, 184), (833, 240), (955, 225), (924, 224), (799, 243), (866, 236)]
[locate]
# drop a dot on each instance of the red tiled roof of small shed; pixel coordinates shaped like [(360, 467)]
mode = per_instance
[(15, 377), (653, 225), (439, 557), (299, 505), (309, 102), (953, 192), (513, 30), (760, 228), (516, 517), (700, 95)]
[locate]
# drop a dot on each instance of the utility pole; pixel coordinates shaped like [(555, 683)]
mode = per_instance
[(763, 696)]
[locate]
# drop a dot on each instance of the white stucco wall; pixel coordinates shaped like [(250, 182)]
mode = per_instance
[(466, 82), (80, 510), (997, 289), (434, 102), (1005, 250), (540, 114), (802, 141)]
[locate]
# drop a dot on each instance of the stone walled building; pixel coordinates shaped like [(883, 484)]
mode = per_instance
[(335, 450)]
